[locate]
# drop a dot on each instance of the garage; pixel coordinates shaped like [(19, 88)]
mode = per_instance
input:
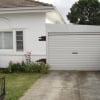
[(73, 47)]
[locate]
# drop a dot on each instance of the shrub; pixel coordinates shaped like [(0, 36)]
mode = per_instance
[(16, 67), (4, 70), (29, 68), (44, 68), (35, 67), (26, 68), (23, 66)]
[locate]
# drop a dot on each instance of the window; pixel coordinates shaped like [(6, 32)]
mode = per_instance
[(6, 40), (19, 40)]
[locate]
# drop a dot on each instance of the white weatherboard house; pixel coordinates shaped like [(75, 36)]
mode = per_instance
[(68, 47), (22, 22)]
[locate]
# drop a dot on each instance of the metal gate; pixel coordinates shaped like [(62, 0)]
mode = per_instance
[(2, 88)]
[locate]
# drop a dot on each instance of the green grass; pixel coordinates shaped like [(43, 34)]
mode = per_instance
[(18, 83)]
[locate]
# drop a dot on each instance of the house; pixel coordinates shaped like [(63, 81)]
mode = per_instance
[(22, 22), (23, 30)]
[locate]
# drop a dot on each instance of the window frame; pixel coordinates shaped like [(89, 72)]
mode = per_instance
[(12, 40), (19, 40)]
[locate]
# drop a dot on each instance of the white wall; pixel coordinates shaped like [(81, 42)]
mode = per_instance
[(33, 25)]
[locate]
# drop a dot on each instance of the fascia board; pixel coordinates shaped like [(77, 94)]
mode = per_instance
[(25, 9)]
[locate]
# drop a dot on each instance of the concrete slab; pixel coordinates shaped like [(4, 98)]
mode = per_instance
[(64, 85)]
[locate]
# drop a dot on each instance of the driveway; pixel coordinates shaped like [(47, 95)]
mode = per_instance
[(63, 85)]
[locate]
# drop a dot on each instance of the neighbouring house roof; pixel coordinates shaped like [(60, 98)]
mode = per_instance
[(54, 17), (22, 3)]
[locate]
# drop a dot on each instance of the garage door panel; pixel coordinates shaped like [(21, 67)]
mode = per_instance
[(61, 48), (75, 60), (80, 52), (67, 64), (78, 43), (75, 63)]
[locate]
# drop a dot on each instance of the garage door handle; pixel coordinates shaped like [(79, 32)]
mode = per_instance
[(74, 52)]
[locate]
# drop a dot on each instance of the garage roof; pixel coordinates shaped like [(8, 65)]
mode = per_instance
[(69, 28), (22, 3)]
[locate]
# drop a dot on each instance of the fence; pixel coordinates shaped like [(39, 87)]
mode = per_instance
[(2, 88)]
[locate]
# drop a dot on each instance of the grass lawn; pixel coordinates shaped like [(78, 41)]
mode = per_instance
[(18, 83)]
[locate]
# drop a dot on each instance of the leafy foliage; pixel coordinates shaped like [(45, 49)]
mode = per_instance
[(44, 68), (37, 67), (86, 12)]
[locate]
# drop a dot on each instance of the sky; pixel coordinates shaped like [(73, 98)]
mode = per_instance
[(63, 6)]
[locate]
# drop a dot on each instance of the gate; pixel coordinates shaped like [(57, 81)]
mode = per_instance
[(2, 88)]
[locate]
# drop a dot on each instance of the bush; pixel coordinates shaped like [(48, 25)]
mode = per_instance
[(4, 70), (15, 67), (28, 68), (35, 67), (44, 68)]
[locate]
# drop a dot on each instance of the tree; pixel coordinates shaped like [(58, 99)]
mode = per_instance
[(86, 12)]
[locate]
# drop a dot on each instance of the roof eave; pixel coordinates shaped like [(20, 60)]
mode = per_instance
[(26, 9)]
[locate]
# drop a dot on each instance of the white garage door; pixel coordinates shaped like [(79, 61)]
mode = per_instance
[(74, 52)]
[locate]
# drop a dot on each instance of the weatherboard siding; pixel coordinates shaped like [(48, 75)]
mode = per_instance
[(33, 26)]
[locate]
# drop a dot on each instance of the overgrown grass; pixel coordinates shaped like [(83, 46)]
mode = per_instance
[(18, 83)]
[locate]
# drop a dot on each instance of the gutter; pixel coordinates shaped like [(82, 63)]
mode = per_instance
[(25, 9)]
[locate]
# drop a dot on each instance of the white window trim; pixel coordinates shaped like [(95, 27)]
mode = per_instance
[(14, 41)]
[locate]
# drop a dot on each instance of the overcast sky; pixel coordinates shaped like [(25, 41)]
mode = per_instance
[(62, 5)]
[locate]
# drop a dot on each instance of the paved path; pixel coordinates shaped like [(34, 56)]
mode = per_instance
[(62, 85)]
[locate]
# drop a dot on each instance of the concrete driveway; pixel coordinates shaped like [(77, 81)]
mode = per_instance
[(63, 85)]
